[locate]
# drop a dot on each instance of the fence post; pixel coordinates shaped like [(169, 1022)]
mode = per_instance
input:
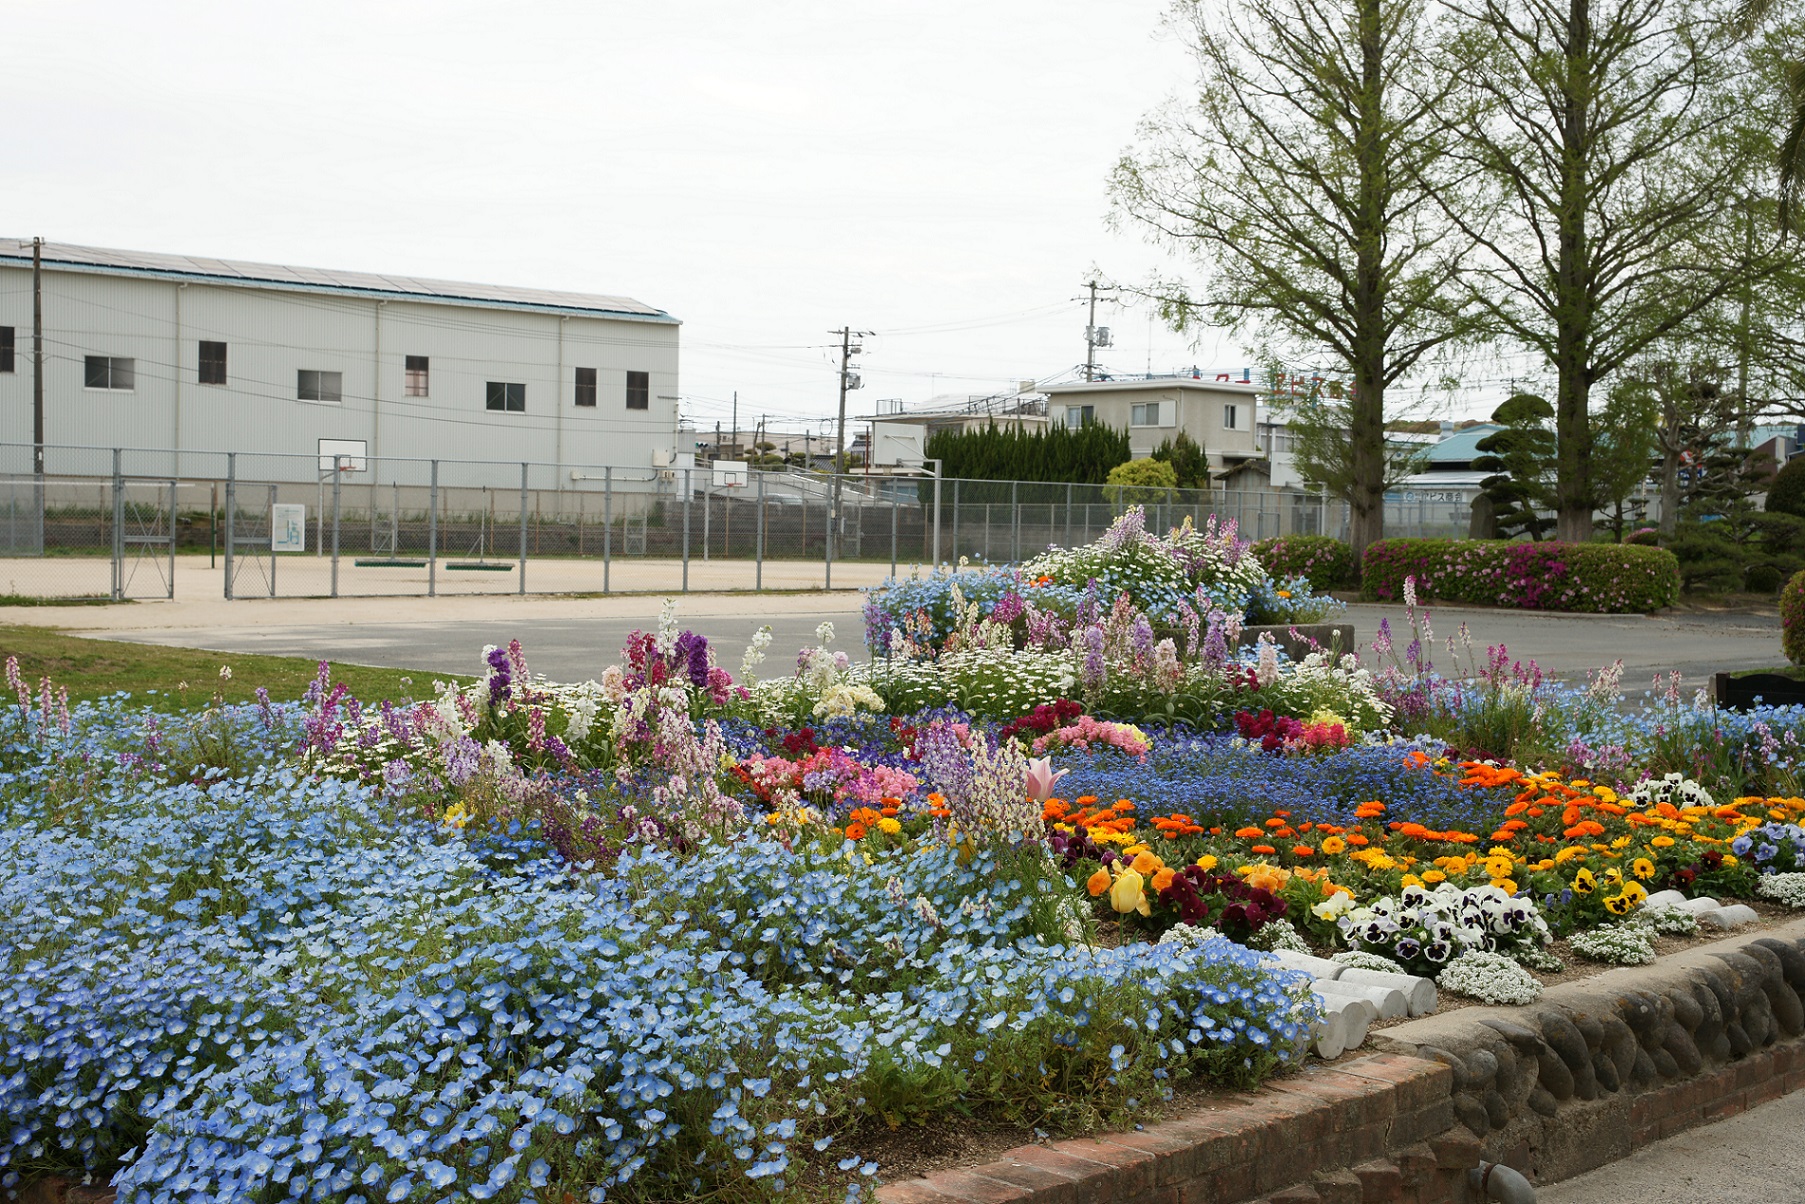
[(271, 511), (686, 500), (952, 553), (758, 556), (893, 525), (432, 533), (118, 524), (231, 508), (1068, 514), (607, 525), (337, 481), (521, 584), (1015, 522), (827, 537), (937, 468)]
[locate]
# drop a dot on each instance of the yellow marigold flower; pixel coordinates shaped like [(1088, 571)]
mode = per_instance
[(1546, 863), (1622, 842), (889, 825), (1412, 880), (1206, 862), (1605, 793), (1643, 868), (1662, 842), (1499, 867), (1134, 850), (1499, 850), (1729, 861), (1332, 845), (1507, 885), (1569, 853), (1433, 876)]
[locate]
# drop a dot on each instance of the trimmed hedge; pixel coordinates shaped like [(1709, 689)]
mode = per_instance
[(1601, 578), (1327, 562), (1792, 619)]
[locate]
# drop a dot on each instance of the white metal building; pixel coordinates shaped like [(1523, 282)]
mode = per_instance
[(207, 355)]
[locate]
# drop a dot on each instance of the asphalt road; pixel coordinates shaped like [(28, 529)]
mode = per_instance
[(1746, 1158), (577, 638)]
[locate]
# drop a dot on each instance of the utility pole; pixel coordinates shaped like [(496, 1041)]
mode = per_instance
[(1094, 337), (736, 424), (848, 380), (37, 366)]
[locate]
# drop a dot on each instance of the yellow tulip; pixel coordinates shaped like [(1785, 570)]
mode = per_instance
[(1126, 895)]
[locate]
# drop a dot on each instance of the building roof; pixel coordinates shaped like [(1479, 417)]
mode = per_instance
[(1460, 447), (1129, 384), (69, 257)]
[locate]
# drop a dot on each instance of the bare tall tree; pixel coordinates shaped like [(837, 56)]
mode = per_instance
[(1611, 130), (1300, 177)]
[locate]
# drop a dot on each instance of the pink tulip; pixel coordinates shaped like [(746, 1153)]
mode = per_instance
[(1043, 778)]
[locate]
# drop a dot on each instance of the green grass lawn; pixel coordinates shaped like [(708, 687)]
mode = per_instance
[(96, 668)]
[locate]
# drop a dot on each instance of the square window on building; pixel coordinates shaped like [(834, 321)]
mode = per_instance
[(1229, 414), (507, 397), (1077, 416), (586, 386), (7, 334), (313, 385), (639, 390), (418, 376), (111, 372), (213, 363)]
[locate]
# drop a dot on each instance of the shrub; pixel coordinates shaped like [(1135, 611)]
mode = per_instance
[(1141, 482), (1327, 562), (1792, 619), (1593, 577), (1787, 494)]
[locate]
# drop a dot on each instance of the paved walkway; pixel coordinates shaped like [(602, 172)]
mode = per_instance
[(572, 636), (1754, 1156)]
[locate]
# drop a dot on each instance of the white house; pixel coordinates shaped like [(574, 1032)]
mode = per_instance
[(199, 355), (1219, 414)]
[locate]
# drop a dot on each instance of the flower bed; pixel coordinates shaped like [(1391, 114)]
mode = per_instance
[(682, 930), (1594, 577)]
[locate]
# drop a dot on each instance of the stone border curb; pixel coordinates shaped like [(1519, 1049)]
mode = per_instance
[(1474, 1084)]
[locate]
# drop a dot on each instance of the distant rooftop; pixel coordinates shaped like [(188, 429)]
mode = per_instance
[(68, 257), (1460, 447)]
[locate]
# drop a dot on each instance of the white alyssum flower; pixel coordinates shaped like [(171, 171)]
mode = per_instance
[(1785, 889), (1621, 944), (1489, 978)]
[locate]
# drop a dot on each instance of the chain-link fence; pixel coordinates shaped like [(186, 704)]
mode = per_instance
[(128, 522)]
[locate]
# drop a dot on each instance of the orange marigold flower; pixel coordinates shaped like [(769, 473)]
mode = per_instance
[(1357, 839), (1264, 849), (1249, 833), (1303, 850), (855, 831)]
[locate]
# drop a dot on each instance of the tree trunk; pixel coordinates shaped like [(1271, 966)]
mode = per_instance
[(1366, 410), (1573, 314)]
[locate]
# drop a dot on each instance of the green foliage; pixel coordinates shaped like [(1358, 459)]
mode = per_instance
[(1623, 450), (1083, 455), (1792, 619), (1599, 578), (1328, 563), (1787, 493), (1724, 543), (1190, 466), (1519, 456), (1141, 483)]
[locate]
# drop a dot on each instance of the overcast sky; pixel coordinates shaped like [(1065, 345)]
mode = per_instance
[(934, 171)]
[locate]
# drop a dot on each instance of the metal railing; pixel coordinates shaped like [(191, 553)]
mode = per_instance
[(137, 523)]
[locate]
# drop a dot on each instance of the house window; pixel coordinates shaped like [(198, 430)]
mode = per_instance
[(586, 386), (1151, 414), (111, 372), (1228, 417), (213, 363), (328, 387), (507, 397), (639, 390), (1077, 416), (417, 376), (6, 349)]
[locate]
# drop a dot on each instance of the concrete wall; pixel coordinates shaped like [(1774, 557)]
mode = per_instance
[(273, 334)]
